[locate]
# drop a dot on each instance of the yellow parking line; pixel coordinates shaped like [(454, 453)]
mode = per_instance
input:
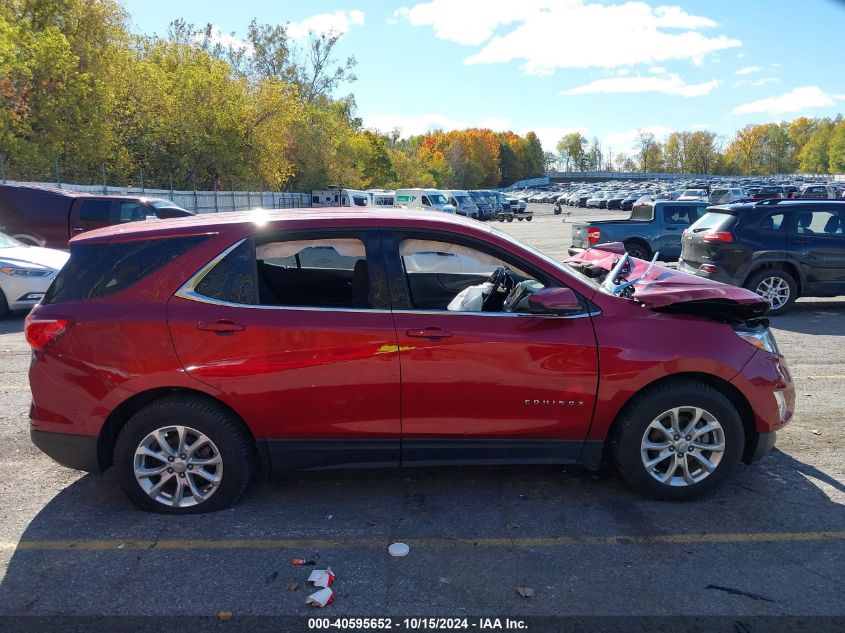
[(343, 543)]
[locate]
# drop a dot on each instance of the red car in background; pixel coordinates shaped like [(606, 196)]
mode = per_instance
[(190, 353)]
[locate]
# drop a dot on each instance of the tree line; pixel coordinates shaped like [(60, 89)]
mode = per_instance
[(805, 145), (84, 99)]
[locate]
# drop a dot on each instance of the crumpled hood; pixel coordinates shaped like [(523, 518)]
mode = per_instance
[(672, 290), (22, 255)]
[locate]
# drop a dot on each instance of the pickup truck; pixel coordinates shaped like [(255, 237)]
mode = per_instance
[(653, 226), (40, 216)]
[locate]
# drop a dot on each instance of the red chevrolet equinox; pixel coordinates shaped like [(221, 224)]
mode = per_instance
[(190, 354)]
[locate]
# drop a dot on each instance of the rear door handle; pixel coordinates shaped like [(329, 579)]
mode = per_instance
[(78, 229), (222, 326), (429, 333)]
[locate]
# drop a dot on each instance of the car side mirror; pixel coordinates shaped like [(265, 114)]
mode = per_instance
[(559, 301)]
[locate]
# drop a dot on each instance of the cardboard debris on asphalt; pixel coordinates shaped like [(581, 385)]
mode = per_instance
[(320, 598)]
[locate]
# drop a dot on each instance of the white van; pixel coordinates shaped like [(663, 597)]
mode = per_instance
[(463, 202), (422, 200), (337, 197), (381, 197)]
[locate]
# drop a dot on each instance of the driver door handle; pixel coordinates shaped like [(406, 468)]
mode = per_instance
[(431, 334)]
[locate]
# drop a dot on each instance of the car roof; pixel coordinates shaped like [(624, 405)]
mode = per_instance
[(280, 219), (769, 204), (55, 190)]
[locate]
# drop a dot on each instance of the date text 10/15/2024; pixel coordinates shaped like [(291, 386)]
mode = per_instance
[(417, 624)]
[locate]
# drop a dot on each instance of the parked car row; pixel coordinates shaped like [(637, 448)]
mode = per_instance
[(621, 195), (479, 204)]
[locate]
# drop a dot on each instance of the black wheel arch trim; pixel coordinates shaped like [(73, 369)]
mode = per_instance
[(770, 260)]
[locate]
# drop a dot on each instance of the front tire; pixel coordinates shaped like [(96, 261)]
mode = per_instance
[(184, 455), (776, 286), (678, 440)]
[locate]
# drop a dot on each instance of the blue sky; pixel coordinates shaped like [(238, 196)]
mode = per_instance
[(603, 68)]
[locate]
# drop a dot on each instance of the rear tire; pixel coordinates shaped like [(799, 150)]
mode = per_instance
[(529, 218), (4, 306), (638, 250), (183, 422), (645, 449), (776, 286)]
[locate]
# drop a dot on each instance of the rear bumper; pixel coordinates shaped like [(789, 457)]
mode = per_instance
[(720, 274), (74, 451)]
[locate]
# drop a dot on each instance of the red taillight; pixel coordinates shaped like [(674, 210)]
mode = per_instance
[(43, 332), (593, 236), (708, 268), (718, 236), (753, 196), (780, 196)]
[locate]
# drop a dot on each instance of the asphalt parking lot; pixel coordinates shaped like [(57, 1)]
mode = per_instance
[(770, 542)]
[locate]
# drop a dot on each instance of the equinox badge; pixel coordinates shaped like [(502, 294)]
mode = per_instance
[(554, 403)]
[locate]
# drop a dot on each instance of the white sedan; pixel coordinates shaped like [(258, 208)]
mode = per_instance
[(25, 273)]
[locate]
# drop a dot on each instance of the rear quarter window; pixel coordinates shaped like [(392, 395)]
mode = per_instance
[(99, 270)]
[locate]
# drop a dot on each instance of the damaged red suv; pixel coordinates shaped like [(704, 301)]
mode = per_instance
[(189, 354)]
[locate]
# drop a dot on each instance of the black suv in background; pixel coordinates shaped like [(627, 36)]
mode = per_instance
[(780, 249)]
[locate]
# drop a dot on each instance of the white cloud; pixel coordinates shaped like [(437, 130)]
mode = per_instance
[(626, 141), (227, 40), (796, 100), (671, 84), (623, 71), (531, 31), (338, 22), (657, 70), (765, 80), (748, 70)]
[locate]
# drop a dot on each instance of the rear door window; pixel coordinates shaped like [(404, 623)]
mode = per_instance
[(679, 214), (96, 211), (323, 272)]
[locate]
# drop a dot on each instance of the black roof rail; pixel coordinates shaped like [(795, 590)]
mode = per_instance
[(771, 201)]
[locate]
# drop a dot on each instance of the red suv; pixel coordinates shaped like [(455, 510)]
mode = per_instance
[(191, 353)]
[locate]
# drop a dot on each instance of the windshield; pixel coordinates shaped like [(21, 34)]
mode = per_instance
[(163, 204), (546, 258), (437, 198), (9, 242), (463, 199)]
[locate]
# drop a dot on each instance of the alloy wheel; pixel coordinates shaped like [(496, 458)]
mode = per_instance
[(775, 290), (682, 446), (178, 466)]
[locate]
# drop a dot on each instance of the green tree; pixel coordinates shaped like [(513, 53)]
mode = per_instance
[(836, 149), (571, 149), (814, 156)]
